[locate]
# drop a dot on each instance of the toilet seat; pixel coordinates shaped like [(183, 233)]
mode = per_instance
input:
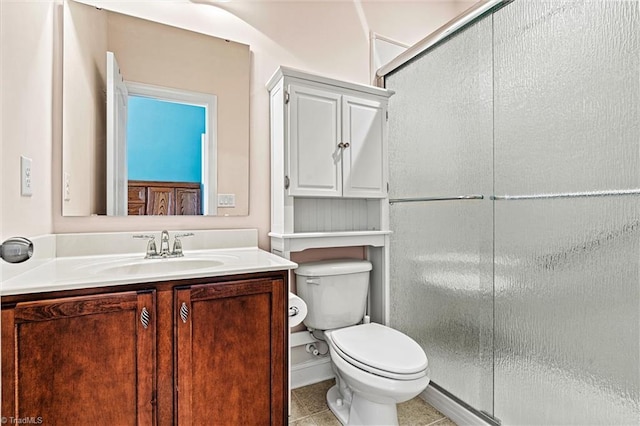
[(380, 350)]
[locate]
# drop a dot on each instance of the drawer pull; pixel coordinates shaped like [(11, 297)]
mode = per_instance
[(145, 317), (184, 312)]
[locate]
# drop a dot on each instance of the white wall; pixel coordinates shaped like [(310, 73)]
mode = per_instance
[(26, 58), (326, 37)]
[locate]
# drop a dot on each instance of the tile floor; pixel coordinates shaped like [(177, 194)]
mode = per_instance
[(309, 408)]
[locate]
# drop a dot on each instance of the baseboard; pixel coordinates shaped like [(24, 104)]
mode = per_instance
[(451, 408), (310, 372)]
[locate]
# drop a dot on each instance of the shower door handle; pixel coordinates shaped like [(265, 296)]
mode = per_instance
[(428, 199)]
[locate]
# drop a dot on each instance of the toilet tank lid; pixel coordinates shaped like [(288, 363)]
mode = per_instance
[(333, 267)]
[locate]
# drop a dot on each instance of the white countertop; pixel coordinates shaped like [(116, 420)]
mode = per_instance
[(78, 272)]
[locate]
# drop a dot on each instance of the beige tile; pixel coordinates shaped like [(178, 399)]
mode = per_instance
[(313, 398), (307, 421), (309, 408), (326, 418), (297, 410), (417, 412)]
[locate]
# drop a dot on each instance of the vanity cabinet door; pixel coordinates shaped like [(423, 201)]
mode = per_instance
[(231, 349), (81, 360)]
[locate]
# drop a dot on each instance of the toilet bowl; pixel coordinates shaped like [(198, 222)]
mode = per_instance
[(376, 367)]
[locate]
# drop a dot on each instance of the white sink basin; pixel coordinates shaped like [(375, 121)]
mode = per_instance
[(159, 266)]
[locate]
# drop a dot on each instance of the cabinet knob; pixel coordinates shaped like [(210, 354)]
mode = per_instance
[(343, 145), (184, 312), (346, 144), (145, 317)]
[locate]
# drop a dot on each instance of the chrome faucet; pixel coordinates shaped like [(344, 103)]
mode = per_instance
[(152, 252), (164, 244)]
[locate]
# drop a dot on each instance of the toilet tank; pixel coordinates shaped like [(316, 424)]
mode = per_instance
[(335, 292)]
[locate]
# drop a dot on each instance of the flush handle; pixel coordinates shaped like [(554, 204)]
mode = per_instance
[(314, 281), (16, 250)]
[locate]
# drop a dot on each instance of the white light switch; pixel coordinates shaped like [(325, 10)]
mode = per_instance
[(25, 177), (226, 200)]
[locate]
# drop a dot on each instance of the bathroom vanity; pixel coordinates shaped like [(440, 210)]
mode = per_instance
[(201, 343)]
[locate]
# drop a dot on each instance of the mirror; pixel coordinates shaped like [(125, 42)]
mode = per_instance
[(196, 165)]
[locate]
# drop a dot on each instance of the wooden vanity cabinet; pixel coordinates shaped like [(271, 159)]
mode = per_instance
[(214, 351), (80, 360)]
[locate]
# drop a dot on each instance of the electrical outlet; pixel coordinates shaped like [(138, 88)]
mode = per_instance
[(67, 187), (25, 177), (226, 200)]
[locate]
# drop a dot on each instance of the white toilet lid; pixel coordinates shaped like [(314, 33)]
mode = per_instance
[(381, 348)]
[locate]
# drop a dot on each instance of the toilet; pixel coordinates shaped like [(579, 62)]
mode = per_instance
[(376, 367)]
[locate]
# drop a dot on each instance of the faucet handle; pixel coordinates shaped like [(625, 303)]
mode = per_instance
[(147, 237), (177, 244), (151, 245), (186, 234)]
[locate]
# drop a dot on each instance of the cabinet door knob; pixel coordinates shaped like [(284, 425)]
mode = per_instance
[(184, 312), (346, 144), (145, 317), (341, 145)]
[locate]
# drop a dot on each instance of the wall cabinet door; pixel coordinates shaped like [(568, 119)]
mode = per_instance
[(81, 360), (337, 144), (231, 343), (363, 159), (314, 135)]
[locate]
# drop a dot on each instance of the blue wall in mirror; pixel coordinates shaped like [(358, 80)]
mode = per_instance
[(164, 140)]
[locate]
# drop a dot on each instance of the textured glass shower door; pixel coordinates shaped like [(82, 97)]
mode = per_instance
[(441, 255), (567, 243), (528, 305)]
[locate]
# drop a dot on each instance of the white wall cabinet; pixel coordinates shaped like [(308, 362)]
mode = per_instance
[(329, 169), (335, 135), (329, 161)]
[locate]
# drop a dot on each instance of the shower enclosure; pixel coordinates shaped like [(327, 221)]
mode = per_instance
[(514, 165)]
